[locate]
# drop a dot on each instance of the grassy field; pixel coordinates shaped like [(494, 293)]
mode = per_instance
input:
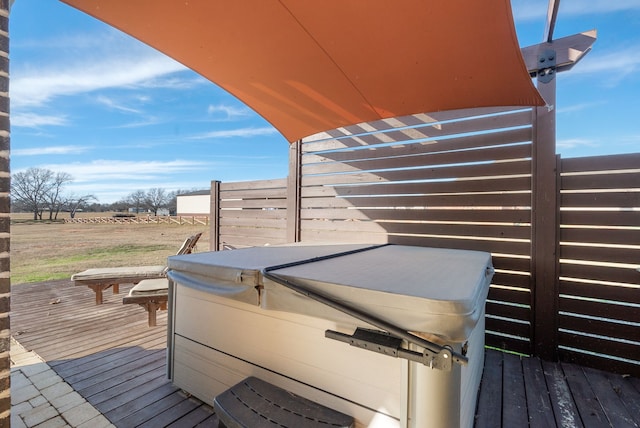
[(42, 251)]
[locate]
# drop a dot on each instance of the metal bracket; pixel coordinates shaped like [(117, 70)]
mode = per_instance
[(547, 66), (387, 344)]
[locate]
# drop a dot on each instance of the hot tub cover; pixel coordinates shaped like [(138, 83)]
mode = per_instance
[(431, 290)]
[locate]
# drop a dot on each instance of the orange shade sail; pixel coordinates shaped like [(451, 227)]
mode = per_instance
[(309, 66)]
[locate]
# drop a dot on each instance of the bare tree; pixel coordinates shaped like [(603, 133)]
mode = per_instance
[(156, 198), (54, 196), (137, 199), (73, 203), (29, 189)]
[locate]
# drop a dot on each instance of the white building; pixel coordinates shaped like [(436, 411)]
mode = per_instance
[(194, 203)]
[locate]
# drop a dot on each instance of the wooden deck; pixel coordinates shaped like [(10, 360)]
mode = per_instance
[(111, 357)]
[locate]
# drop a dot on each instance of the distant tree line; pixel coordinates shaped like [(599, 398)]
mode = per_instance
[(37, 190), (40, 191)]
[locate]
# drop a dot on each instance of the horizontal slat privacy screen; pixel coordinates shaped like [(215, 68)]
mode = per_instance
[(252, 213), (452, 179), (464, 181), (599, 300)]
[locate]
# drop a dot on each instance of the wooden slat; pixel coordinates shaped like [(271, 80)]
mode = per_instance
[(514, 406), (254, 204), (463, 200), (511, 296), (505, 247), (328, 166), (509, 311), (518, 216), (508, 327), (259, 193), (591, 360), (599, 291), (253, 214), (614, 409), (274, 223), (148, 412), (490, 394), (601, 163), (263, 233), (404, 148), (515, 167), (599, 327), (627, 275), (111, 377), (511, 344), (564, 407), (586, 401), (622, 199), (539, 405), (476, 124), (466, 230), (310, 235), (254, 184), (413, 120), (600, 218), (513, 280), (128, 391), (507, 262), (600, 309), (601, 346), (601, 236), (601, 254), (249, 241), (627, 394), (500, 184), (628, 180)]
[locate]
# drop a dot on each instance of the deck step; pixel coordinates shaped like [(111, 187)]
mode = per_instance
[(254, 403)]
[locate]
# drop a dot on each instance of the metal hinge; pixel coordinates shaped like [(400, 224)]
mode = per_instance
[(387, 344)]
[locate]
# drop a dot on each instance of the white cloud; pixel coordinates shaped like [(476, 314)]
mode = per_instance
[(148, 121), (613, 66), (113, 104), (37, 88), (112, 180), (52, 150), (579, 107), (124, 170), (34, 120), (228, 112), (172, 82), (231, 133), (109, 192), (574, 143)]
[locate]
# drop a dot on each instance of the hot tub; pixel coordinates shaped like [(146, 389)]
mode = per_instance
[(392, 335)]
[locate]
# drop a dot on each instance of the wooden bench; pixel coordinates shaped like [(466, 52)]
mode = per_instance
[(254, 403), (152, 295), (100, 279)]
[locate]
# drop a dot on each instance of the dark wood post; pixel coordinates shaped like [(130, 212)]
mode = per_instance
[(214, 212), (5, 220), (544, 256), (294, 183)]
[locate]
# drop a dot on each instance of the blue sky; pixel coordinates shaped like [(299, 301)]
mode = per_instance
[(120, 117)]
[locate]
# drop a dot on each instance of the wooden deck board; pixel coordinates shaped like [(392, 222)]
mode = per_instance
[(489, 411), (514, 404), (539, 405), (111, 357)]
